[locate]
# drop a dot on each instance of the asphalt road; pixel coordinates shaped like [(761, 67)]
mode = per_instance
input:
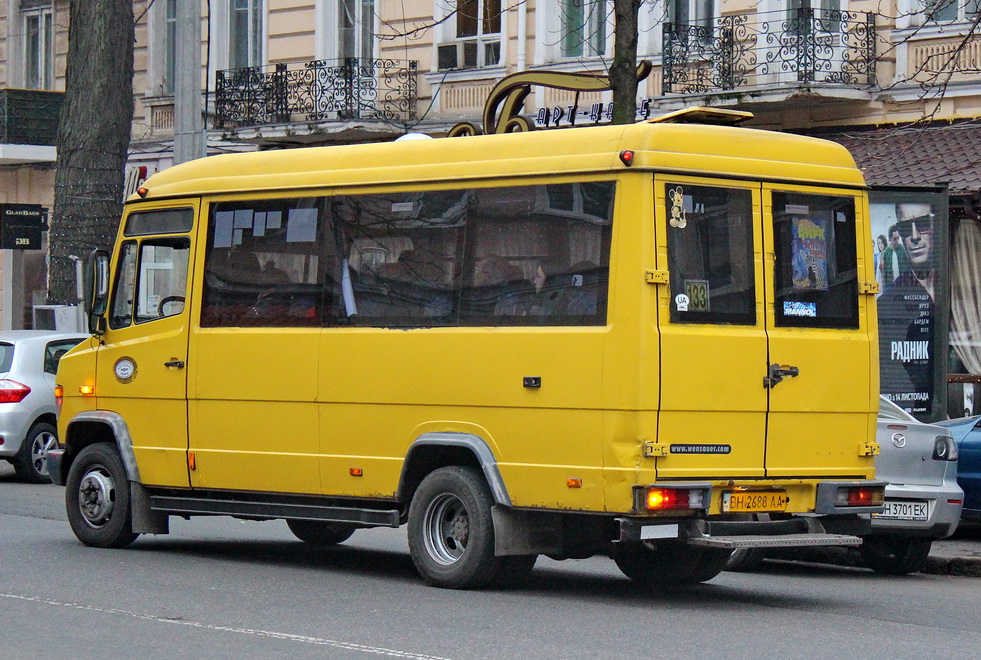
[(221, 588)]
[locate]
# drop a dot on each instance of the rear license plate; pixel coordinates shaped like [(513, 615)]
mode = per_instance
[(743, 501), (904, 510)]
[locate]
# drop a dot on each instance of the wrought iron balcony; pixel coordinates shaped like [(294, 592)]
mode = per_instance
[(767, 49), (29, 116), (316, 91)]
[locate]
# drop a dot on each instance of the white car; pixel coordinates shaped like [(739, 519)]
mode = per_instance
[(923, 501), (28, 409)]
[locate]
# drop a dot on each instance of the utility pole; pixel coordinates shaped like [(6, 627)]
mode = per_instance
[(189, 140)]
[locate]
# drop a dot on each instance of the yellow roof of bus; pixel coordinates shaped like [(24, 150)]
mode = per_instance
[(667, 147)]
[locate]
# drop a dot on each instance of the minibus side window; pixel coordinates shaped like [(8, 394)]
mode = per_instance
[(816, 275), (125, 286), (710, 254), (538, 255), (403, 256), (264, 264), (151, 281)]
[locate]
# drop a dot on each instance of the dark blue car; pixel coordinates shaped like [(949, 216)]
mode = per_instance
[(967, 434)]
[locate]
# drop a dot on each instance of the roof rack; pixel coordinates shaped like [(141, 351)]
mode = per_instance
[(703, 115)]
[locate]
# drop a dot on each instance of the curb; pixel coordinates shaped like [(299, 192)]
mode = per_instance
[(952, 565), (960, 566)]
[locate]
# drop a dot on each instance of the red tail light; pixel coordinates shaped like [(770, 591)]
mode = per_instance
[(12, 392), (861, 496)]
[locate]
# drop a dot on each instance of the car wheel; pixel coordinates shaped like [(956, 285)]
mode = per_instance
[(31, 462), (320, 533), (97, 498), (451, 534), (669, 563), (895, 556), (746, 560)]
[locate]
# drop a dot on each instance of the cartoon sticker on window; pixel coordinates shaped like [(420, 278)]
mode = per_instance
[(697, 292), (809, 248), (678, 217)]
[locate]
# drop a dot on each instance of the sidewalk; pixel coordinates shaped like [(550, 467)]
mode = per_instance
[(959, 554)]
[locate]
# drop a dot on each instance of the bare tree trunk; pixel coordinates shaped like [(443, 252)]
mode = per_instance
[(623, 70), (93, 137)]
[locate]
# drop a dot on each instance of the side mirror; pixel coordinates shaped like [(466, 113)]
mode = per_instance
[(97, 290)]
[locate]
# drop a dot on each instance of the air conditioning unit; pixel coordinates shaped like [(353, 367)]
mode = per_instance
[(62, 318)]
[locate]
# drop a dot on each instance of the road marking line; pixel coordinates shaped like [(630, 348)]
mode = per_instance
[(242, 631)]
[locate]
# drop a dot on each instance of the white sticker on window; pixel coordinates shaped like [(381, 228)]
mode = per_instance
[(259, 224), (243, 219), (797, 209), (403, 207), (274, 220), (223, 229), (301, 226), (681, 302)]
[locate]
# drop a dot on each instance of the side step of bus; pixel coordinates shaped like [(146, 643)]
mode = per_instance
[(241, 508), (793, 533)]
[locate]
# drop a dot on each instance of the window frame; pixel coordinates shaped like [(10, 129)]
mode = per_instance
[(39, 70), (482, 39)]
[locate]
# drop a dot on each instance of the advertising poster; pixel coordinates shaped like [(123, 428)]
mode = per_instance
[(909, 242), (810, 254)]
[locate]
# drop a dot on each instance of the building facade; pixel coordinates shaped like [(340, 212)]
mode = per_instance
[(897, 82)]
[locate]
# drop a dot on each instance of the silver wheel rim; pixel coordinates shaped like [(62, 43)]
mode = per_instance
[(43, 443), (96, 496), (446, 529)]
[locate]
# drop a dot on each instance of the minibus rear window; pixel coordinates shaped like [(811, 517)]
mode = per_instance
[(816, 276)]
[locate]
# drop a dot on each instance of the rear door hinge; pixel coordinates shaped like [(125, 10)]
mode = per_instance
[(868, 449), (652, 276), (654, 449), (870, 288)]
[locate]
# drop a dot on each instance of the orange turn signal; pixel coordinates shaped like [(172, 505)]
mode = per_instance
[(573, 482), (356, 472), (86, 390)]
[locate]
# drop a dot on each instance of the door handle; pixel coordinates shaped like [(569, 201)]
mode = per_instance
[(776, 373), (176, 364)]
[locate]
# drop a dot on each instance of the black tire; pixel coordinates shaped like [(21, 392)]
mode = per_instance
[(746, 560), (451, 534), (320, 533), (895, 556), (669, 563), (31, 462), (97, 498)]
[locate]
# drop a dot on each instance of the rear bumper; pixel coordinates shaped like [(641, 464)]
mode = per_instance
[(944, 506), (736, 534)]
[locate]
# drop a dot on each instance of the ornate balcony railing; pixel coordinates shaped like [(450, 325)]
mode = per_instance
[(764, 49), (29, 116), (320, 90)]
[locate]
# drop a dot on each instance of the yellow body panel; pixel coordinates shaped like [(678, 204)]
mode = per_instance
[(296, 410)]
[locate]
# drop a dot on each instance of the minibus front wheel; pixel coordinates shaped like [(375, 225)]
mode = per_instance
[(451, 533), (97, 499)]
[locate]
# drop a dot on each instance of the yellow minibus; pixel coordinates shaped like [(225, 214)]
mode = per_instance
[(655, 342)]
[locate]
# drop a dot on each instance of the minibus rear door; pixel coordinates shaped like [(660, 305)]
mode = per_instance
[(712, 342), (820, 377)]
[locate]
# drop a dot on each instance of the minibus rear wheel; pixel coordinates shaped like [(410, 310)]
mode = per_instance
[(451, 534), (97, 498), (669, 563), (320, 533)]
